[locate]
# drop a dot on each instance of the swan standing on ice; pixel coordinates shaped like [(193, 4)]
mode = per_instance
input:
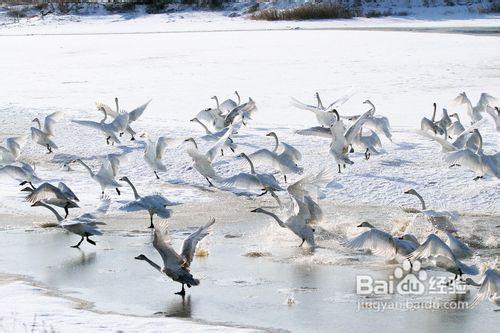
[(44, 136), (132, 115), (489, 288), (477, 161), (369, 143), (456, 127), (24, 173), (297, 223), (118, 125), (10, 153), (438, 253), (153, 203), (153, 154), (105, 177), (495, 114), (441, 220), (469, 138), (85, 225), (427, 124), (377, 123), (342, 139), (382, 243), (60, 196), (286, 160), (176, 266), (203, 162)]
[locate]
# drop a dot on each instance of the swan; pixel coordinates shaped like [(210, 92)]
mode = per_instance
[(441, 220), (86, 225), (477, 161), (438, 253), (382, 243), (468, 139), (203, 162), (325, 116), (228, 105), (60, 196), (369, 143), (495, 114), (104, 177), (132, 115), (297, 223), (153, 154), (118, 125), (44, 136), (12, 150), (456, 127), (283, 157), (254, 181), (213, 137), (459, 249), (153, 203), (489, 288), (240, 113), (212, 116), (23, 173), (377, 123), (304, 192), (445, 121), (342, 139), (474, 112), (430, 125), (176, 266), (320, 131)]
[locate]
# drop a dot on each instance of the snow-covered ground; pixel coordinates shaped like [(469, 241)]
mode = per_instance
[(402, 73)]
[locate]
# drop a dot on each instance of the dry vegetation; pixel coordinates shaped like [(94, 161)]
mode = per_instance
[(306, 12)]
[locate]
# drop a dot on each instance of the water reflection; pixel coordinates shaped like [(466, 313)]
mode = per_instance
[(181, 307), (80, 259)]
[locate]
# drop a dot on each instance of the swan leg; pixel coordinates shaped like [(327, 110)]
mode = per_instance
[(222, 152), (66, 210), (78, 245), (232, 149), (454, 164), (121, 134), (367, 154), (182, 292), (478, 177), (117, 191), (344, 166), (156, 174), (303, 240), (107, 140), (284, 177), (263, 192), (209, 182), (339, 168), (151, 225), (132, 138), (49, 149), (90, 240), (352, 150)]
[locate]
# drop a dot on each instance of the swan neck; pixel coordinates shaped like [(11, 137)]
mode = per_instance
[(136, 195), (276, 141), (274, 216), (421, 200), (480, 145), (252, 169), (434, 113), (87, 167), (117, 105), (58, 216), (203, 125), (239, 98), (320, 103), (217, 102), (157, 267)]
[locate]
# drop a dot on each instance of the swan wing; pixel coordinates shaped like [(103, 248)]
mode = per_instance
[(339, 101), (377, 241), (44, 192), (490, 287), (14, 172), (189, 244), (459, 249), (98, 213), (486, 99), (106, 170), (50, 122), (310, 184), (304, 106), (243, 180), (161, 145), (133, 206), (467, 158), (432, 247), (68, 193), (162, 243), (120, 123), (320, 131), (88, 123), (265, 157), (212, 152), (107, 109), (445, 144), (138, 111), (14, 143), (356, 127), (290, 151)]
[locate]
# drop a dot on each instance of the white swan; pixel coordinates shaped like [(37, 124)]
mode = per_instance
[(456, 127), (367, 142), (153, 203), (427, 124), (445, 121), (441, 220), (176, 266), (474, 112), (86, 225), (132, 115), (23, 173), (479, 162), (214, 137), (382, 243), (378, 123), (44, 136), (468, 138), (240, 113), (12, 150), (283, 157), (438, 253), (118, 125), (203, 162), (60, 196), (495, 114), (489, 288), (459, 248), (153, 154), (212, 116), (105, 177), (305, 191), (297, 223), (228, 105), (325, 116), (320, 131), (342, 139)]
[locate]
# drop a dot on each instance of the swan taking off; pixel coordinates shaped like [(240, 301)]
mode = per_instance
[(474, 112), (132, 115), (176, 266), (240, 113), (12, 149), (427, 124), (441, 220), (489, 288), (60, 196), (44, 136), (283, 157), (440, 255), (368, 142), (153, 154), (495, 114), (214, 137), (109, 130), (105, 177), (86, 225), (153, 203), (297, 223), (23, 173), (325, 116)]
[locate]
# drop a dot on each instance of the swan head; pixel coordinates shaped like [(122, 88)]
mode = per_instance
[(140, 257), (37, 204), (271, 134), (498, 110), (27, 189), (366, 225), (194, 119), (257, 210), (123, 179), (410, 191), (410, 238)]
